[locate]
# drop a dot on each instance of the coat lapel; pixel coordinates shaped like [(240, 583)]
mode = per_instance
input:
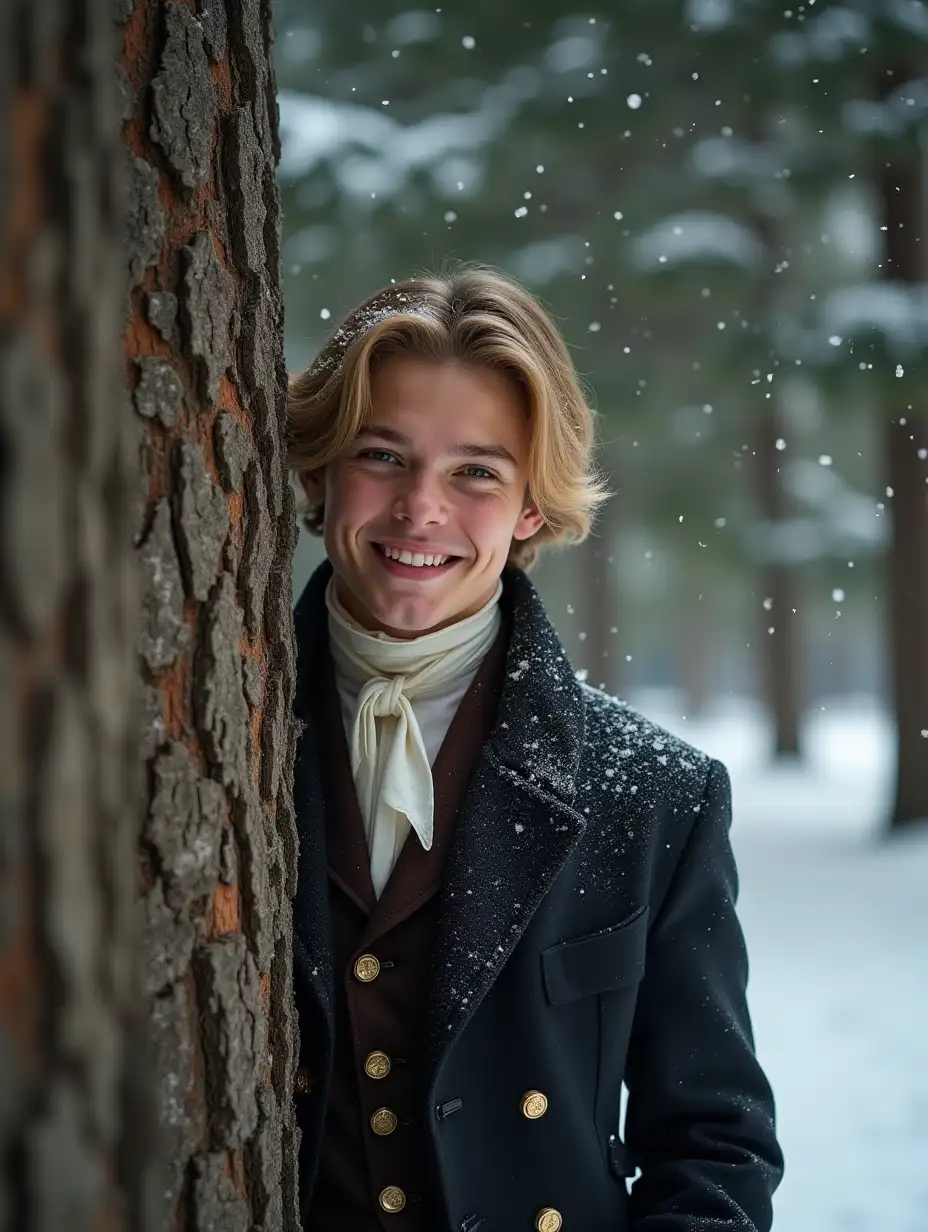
[(517, 826)]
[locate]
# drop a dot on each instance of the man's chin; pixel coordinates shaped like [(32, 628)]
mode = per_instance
[(411, 619)]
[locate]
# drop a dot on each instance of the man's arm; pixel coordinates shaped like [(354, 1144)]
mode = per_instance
[(700, 1119)]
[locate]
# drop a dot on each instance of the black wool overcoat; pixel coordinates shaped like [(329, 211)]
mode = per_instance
[(587, 938)]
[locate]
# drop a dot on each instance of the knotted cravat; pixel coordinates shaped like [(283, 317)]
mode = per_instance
[(389, 761)]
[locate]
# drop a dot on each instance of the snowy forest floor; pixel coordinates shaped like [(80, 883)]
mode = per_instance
[(836, 919)]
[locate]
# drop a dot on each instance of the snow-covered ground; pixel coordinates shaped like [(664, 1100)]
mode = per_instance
[(837, 926)]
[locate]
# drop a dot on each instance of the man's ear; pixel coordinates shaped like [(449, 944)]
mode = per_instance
[(313, 483), (530, 521)]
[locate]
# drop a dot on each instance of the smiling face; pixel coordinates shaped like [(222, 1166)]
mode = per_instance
[(422, 508)]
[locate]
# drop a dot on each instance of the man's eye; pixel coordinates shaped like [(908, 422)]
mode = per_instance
[(378, 455), (478, 472)]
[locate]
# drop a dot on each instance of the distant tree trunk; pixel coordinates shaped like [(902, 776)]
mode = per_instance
[(694, 641), (778, 652), (215, 526), (594, 627), (902, 187), (73, 1147)]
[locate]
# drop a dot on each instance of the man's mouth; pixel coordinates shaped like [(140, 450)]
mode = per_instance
[(418, 560)]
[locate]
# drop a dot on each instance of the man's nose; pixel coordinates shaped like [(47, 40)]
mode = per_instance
[(420, 501)]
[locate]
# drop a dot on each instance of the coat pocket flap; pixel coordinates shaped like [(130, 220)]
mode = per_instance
[(600, 962)]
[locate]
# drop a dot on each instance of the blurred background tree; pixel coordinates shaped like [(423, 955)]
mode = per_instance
[(721, 204)]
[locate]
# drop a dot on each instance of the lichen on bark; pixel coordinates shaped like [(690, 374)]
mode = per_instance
[(145, 223), (160, 391), (184, 827), (164, 635), (202, 520), (207, 311), (221, 708)]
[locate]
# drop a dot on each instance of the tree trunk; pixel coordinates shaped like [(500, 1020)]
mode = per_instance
[(778, 651), (593, 655), (694, 629), (73, 1146), (215, 527), (903, 193)]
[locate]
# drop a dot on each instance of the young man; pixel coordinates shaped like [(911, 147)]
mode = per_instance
[(515, 894)]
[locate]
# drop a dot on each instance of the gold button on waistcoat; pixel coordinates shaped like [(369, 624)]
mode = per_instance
[(367, 968), (392, 1199), (534, 1104), (383, 1121), (377, 1065), (548, 1220), (302, 1081)]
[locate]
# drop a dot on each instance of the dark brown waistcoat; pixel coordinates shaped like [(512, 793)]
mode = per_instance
[(386, 1014)]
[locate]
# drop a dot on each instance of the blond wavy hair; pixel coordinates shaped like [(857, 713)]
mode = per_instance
[(478, 317)]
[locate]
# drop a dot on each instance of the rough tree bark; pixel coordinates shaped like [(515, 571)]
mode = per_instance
[(73, 1154), (214, 524), (902, 187)]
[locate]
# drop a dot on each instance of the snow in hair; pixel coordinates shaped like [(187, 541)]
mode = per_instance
[(474, 316), (371, 313)]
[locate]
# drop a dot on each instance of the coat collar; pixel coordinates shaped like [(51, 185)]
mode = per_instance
[(516, 829)]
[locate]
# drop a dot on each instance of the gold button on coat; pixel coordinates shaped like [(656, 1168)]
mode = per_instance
[(383, 1121), (302, 1081), (392, 1199), (367, 968), (548, 1220), (534, 1104), (377, 1065)]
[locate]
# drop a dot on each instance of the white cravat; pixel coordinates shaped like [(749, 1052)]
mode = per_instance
[(389, 760)]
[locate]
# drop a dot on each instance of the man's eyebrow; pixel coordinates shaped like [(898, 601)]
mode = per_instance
[(484, 451), (385, 434), (395, 437)]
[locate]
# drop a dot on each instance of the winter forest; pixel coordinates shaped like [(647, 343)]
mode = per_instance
[(723, 204)]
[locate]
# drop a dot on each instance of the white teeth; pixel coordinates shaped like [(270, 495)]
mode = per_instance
[(418, 559)]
